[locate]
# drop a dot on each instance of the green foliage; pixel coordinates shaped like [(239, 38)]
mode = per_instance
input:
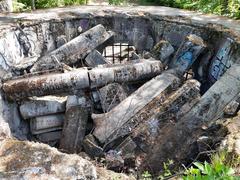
[(166, 173), (20, 5), (220, 7), (115, 2), (217, 169), (146, 176)]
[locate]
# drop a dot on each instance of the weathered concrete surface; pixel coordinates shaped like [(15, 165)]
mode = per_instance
[(231, 142), (195, 17), (54, 83), (187, 53), (74, 50), (29, 160), (74, 128), (185, 132), (146, 134), (163, 51), (94, 59), (106, 124), (42, 106), (111, 95), (46, 123)]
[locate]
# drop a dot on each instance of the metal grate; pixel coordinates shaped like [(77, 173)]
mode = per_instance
[(117, 52)]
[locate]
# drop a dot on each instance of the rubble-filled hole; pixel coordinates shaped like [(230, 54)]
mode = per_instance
[(76, 118)]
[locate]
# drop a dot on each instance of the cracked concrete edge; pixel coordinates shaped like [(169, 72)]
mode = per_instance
[(219, 23)]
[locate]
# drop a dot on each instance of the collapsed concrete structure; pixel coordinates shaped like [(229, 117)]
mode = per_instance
[(136, 105)]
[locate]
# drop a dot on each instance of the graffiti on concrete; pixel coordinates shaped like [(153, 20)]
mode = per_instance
[(221, 61)]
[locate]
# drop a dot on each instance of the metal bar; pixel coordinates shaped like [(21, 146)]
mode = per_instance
[(120, 53), (113, 53)]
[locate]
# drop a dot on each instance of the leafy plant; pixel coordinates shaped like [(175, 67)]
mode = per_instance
[(218, 169), (146, 175), (115, 2), (221, 7), (166, 172)]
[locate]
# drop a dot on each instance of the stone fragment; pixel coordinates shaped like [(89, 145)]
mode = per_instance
[(5, 131), (187, 53), (47, 123), (74, 127), (29, 160), (114, 160), (75, 49), (91, 147), (49, 136), (221, 61), (94, 59), (163, 50), (111, 95), (127, 148), (134, 56), (109, 124), (176, 140), (180, 102), (61, 40), (42, 106), (201, 68), (231, 109)]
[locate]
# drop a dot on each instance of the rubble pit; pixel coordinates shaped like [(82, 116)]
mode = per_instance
[(24, 38)]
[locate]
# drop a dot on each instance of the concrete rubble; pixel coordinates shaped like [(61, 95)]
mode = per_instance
[(125, 107)]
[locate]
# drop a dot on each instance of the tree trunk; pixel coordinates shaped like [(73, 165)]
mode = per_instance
[(55, 83), (75, 49), (176, 140), (33, 5)]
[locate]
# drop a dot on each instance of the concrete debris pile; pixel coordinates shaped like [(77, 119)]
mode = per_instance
[(135, 111)]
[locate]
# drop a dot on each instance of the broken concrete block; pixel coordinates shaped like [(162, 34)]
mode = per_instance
[(168, 112), (48, 123), (91, 147), (49, 136), (187, 53), (201, 67), (114, 160), (94, 59), (127, 148), (176, 139), (111, 95), (48, 84), (231, 109), (121, 73), (108, 126), (75, 49), (61, 40), (221, 62), (42, 106), (74, 127), (163, 50), (31, 160), (55, 83)]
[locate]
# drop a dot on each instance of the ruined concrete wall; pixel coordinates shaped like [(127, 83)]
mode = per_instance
[(22, 45)]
